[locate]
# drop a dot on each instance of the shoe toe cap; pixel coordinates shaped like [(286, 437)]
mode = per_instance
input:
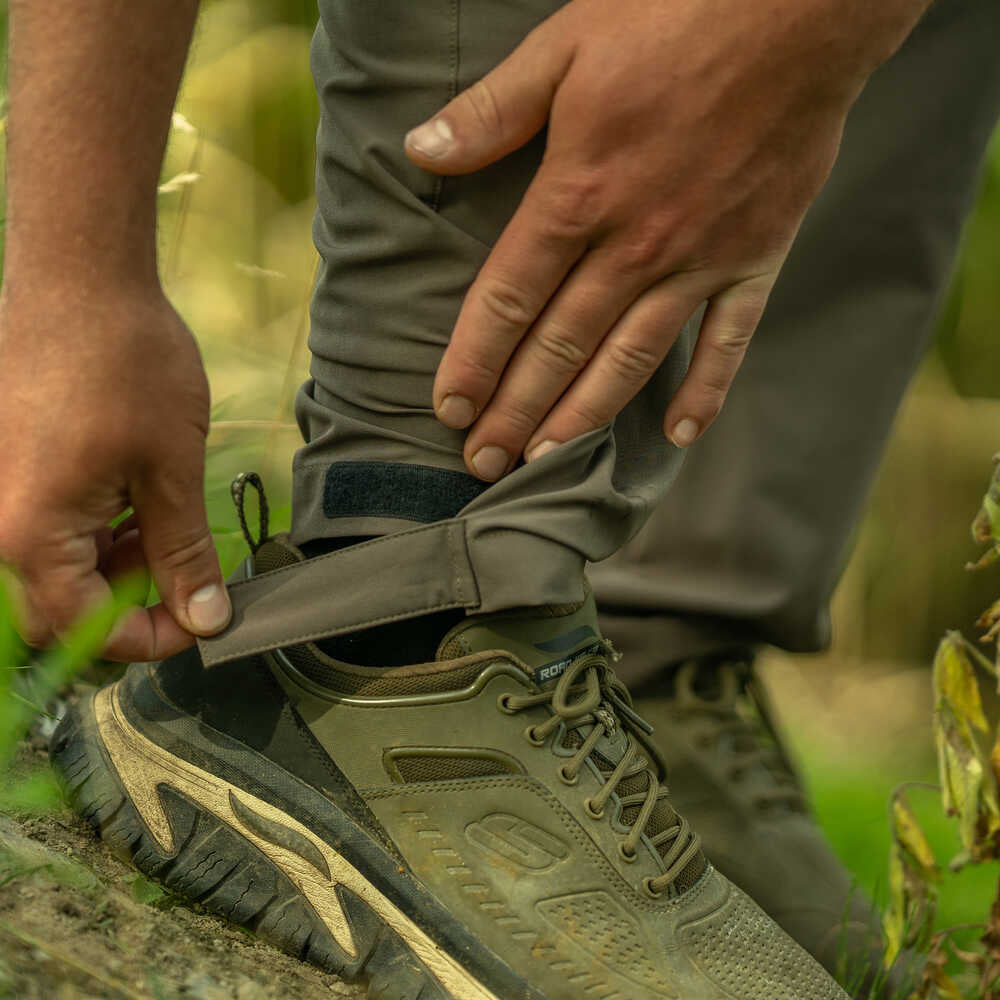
[(744, 953)]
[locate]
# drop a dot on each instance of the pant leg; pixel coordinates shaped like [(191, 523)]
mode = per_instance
[(399, 249), (751, 540)]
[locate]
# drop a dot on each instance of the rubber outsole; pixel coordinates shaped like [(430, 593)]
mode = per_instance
[(210, 863)]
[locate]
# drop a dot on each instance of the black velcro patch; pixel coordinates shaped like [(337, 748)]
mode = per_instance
[(393, 489)]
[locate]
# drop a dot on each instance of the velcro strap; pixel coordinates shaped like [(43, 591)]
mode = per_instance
[(397, 576)]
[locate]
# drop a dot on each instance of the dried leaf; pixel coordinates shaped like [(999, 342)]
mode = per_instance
[(912, 902), (987, 559), (968, 786), (986, 526), (990, 618), (946, 987)]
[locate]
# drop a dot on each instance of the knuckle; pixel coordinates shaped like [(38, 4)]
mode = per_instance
[(481, 102), (507, 305), (585, 416), (574, 202), (175, 554), (480, 371), (642, 254), (34, 634), (714, 382), (631, 362), (559, 350), (518, 416), (732, 343)]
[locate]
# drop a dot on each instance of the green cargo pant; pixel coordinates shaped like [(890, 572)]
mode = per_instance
[(749, 540)]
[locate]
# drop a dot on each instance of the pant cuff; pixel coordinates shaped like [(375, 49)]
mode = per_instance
[(650, 643)]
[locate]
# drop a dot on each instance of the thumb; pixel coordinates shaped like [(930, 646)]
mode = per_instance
[(498, 114), (180, 554)]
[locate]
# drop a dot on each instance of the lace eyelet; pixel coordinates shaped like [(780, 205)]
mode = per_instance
[(503, 704), (566, 778), (532, 737), (647, 888), (629, 857), (593, 813)]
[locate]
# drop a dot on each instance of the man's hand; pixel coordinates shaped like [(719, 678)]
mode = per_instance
[(686, 140), (104, 404), (103, 398)]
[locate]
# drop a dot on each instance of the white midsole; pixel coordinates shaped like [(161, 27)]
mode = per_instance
[(142, 767)]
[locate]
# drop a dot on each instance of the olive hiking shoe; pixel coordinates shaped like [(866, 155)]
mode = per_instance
[(731, 775), (491, 825)]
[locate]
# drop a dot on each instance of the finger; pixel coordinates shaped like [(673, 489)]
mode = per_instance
[(29, 622), (498, 114), (625, 361), (128, 524), (104, 538), (63, 585), (145, 635), (62, 581), (548, 359), (529, 262), (178, 545), (125, 558), (730, 321)]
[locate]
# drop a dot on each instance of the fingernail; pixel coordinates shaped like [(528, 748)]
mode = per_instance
[(490, 462), (541, 449), (456, 411), (209, 608), (684, 433), (434, 138)]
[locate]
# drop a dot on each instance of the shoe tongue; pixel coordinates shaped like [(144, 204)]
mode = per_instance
[(546, 638)]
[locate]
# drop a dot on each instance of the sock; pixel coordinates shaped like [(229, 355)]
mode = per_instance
[(395, 644)]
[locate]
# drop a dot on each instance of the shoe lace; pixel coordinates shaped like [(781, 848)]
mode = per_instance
[(590, 695), (739, 722)]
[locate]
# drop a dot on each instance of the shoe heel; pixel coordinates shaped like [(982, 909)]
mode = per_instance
[(214, 865)]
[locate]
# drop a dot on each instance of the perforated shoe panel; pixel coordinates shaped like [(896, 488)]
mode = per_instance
[(740, 949)]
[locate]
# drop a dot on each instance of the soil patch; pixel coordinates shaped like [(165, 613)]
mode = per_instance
[(77, 922)]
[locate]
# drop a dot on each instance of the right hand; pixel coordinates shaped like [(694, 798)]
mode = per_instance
[(104, 404)]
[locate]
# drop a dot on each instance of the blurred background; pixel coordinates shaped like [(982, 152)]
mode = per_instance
[(238, 262)]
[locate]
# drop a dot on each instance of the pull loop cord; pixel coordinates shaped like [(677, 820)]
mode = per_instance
[(238, 489)]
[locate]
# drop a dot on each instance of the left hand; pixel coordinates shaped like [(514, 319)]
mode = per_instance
[(686, 140)]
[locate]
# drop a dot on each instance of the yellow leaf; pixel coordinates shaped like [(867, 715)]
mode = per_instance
[(911, 837), (912, 901), (894, 918), (955, 681), (968, 786)]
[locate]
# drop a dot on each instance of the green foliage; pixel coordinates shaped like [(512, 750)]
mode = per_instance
[(970, 789), (27, 685)]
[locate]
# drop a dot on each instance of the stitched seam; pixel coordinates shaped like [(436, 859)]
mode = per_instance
[(274, 573), (234, 654), (439, 181)]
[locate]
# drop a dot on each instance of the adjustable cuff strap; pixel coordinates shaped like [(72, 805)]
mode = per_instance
[(397, 576)]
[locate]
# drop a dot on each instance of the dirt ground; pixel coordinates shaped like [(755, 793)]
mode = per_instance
[(77, 923)]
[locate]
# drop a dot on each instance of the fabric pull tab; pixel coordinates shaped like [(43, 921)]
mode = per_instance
[(238, 488)]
